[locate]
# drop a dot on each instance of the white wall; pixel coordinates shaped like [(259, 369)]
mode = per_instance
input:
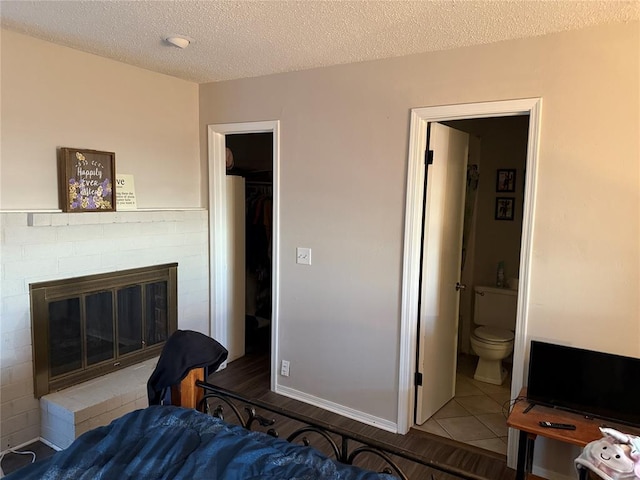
[(344, 136), (54, 96)]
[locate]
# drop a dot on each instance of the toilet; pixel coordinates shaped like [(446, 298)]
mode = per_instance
[(494, 316)]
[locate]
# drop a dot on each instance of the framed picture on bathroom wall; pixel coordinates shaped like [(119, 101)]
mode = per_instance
[(506, 180), (504, 208)]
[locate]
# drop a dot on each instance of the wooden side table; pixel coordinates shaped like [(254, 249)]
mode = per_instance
[(587, 430)]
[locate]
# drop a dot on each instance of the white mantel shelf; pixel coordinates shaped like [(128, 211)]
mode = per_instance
[(96, 218)]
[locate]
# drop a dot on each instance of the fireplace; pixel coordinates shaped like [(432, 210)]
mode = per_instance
[(86, 327)]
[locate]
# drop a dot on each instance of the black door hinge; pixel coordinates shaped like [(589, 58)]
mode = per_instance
[(428, 157), (418, 379)]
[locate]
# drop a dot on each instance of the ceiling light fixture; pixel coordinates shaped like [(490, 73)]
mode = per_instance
[(179, 41)]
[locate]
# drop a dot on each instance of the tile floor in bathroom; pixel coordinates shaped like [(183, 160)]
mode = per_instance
[(477, 413)]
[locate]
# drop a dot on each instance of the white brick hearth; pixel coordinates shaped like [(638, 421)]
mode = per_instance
[(37, 247), (67, 414)]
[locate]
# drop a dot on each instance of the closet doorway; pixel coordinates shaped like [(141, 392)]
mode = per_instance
[(243, 266), (249, 165)]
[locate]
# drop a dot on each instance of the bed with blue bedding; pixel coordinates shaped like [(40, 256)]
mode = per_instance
[(219, 435), (167, 442), (195, 430)]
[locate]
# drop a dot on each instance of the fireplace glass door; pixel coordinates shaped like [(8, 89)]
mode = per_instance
[(88, 326)]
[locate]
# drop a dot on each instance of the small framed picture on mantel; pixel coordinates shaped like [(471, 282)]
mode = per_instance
[(85, 180)]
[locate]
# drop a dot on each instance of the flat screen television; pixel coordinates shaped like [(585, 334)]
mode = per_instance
[(592, 383)]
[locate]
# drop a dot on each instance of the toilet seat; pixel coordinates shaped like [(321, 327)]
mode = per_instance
[(493, 335)]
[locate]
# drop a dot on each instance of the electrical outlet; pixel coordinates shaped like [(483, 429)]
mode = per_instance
[(284, 369), (303, 256)]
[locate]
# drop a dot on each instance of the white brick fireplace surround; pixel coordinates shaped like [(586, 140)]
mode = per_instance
[(37, 247)]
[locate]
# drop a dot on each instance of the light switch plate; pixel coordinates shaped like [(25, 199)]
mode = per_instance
[(303, 256)]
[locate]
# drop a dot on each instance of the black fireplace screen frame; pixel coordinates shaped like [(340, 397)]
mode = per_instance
[(87, 289)]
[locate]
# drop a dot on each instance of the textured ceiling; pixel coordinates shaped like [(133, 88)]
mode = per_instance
[(238, 38)]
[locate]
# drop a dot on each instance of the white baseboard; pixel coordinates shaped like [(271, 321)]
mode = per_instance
[(11, 450), (50, 445), (21, 446), (348, 412), (18, 447)]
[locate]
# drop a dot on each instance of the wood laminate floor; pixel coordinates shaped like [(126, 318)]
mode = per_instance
[(21, 457), (249, 376)]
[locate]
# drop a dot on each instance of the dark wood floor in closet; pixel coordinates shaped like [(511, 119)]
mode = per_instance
[(249, 376)]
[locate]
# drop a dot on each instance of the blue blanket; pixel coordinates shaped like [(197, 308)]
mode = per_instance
[(164, 442)]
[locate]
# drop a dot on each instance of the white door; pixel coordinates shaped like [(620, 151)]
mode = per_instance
[(442, 251), (235, 244)]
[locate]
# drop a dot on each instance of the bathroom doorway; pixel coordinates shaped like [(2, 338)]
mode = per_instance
[(497, 148), (496, 170), (416, 174)]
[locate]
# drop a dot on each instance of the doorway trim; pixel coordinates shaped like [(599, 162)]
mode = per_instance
[(218, 261), (420, 117)]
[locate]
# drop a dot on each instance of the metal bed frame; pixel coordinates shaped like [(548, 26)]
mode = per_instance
[(346, 447)]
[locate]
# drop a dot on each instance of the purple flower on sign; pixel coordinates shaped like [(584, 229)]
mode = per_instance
[(106, 187), (84, 195)]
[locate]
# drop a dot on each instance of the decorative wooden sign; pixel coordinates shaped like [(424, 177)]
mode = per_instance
[(86, 180)]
